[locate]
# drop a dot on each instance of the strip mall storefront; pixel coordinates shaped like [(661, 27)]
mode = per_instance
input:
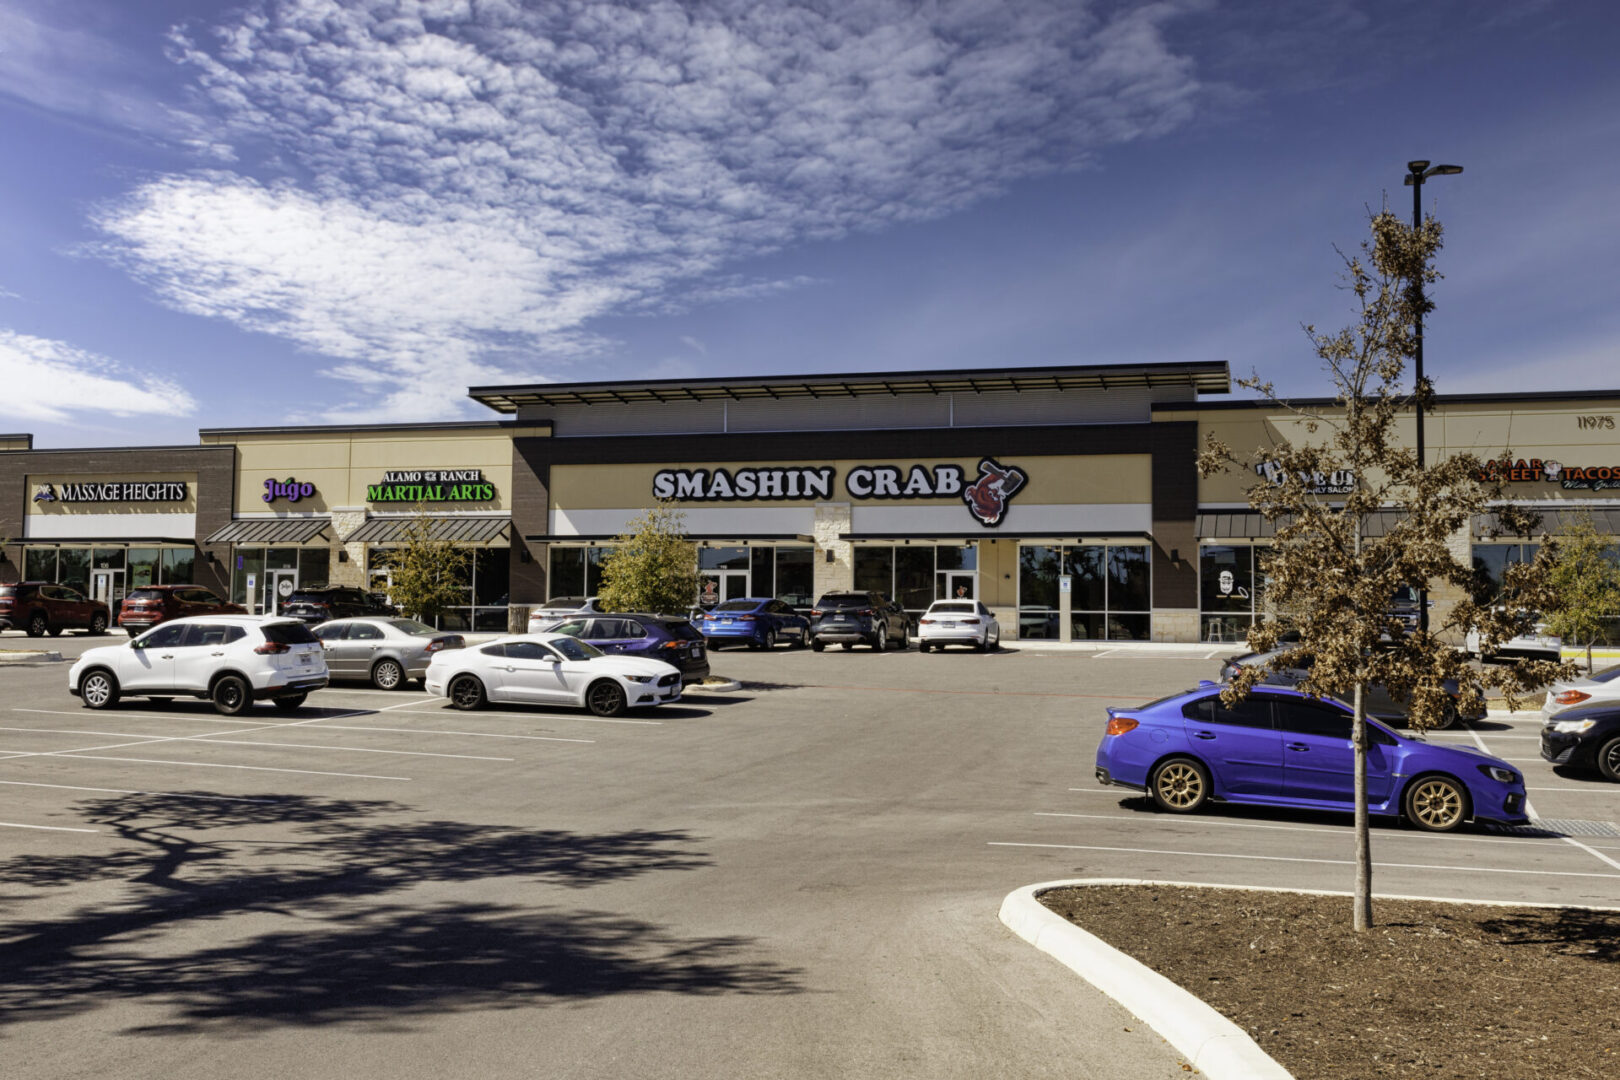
[(1034, 490)]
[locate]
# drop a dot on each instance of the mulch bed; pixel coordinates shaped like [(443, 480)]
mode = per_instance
[(1433, 990)]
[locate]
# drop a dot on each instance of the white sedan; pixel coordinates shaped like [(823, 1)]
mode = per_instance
[(1599, 688), (550, 669), (958, 622)]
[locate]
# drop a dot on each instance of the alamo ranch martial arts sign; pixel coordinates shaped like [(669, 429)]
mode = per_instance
[(431, 485)]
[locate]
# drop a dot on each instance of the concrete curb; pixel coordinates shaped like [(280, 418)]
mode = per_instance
[(28, 656), (1210, 1041)]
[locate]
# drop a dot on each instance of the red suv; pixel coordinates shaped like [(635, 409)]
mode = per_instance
[(40, 607), (149, 605)]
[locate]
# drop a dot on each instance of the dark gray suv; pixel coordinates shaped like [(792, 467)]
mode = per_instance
[(845, 618)]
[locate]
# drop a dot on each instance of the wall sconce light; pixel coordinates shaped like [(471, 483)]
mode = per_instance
[(1175, 556), (343, 556), (829, 555), (524, 555)]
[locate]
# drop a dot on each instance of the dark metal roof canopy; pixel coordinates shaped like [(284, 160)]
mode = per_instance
[(461, 530), (270, 531), (1251, 526), (1206, 377), (1553, 522)]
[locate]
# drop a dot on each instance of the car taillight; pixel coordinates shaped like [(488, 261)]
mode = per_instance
[(925, 622), (867, 611), (444, 643), (673, 645), (816, 613), (1570, 697), (273, 647), (971, 622), (1119, 725)]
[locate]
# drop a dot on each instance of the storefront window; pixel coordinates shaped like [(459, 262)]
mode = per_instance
[(74, 568), (1490, 565), (492, 578), (575, 571), (965, 557), (40, 564), (874, 570), (762, 571), (178, 564), (143, 567), (1226, 588), (314, 567), (722, 558), (107, 558), (914, 578), (249, 563), (1110, 594), (795, 576)]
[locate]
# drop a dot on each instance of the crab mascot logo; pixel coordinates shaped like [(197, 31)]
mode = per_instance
[(987, 497)]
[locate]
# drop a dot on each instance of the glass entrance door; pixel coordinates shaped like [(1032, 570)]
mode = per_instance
[(278, 585), (718, 586), (107, 588), (959, 585)]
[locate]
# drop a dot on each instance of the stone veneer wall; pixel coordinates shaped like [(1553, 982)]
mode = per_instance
[(1175, 624), (832, 520), (1444, 596), (353, 572)]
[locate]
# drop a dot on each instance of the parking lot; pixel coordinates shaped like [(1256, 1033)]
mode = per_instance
[(798, 879)]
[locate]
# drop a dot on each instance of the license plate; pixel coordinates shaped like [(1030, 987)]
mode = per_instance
[(696, 652), (306, 658), (727, 622)]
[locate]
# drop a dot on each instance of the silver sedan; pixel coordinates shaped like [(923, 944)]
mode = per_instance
[(387, 652)]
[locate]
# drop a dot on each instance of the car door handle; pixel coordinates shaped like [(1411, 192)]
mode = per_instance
[(166, 656), (1298, 746), (216, 654), (1203, 734)]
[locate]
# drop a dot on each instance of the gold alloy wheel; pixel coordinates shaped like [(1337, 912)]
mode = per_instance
[(1436, 803), (1179, 785)]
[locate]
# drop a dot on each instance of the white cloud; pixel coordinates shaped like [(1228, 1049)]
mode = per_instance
[(466, 184), (49, 380)]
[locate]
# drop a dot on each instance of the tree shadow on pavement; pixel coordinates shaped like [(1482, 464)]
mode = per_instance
[(1575, 932), (354, 956)]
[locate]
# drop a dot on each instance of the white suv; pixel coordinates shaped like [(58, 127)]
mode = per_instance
[(231, 660)]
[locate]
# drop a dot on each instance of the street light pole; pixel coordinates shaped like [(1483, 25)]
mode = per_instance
[(1416, 173)]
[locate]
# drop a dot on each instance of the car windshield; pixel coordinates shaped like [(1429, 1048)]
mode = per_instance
[(574, 649), (411, 626), (684, 631), (952, 608), (738, 605), (1608, 674), (568, 603)]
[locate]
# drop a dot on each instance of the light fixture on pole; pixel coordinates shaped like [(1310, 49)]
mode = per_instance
[(1416, 173)]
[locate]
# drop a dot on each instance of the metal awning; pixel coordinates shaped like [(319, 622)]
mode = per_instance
[(1554, 522), (1046, 537), (1238, 525), (270, 531), (460, 530)]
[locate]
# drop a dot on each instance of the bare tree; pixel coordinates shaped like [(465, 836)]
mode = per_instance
[(1330, 575)]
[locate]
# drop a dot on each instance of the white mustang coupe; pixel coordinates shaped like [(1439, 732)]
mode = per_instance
[(550, 669)]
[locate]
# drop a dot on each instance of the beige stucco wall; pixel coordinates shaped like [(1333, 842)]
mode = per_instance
[(1539, 431), (342, 464)]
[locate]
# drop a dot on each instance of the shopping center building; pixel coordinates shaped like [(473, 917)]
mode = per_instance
[(1001, 484)]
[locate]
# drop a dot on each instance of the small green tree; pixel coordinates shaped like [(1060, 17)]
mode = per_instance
[(1585, 584), (653, 566), (427, 574), (1331, 576)]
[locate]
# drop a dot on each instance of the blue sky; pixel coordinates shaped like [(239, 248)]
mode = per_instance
[(313, 211)]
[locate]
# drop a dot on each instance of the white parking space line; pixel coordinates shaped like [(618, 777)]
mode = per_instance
[(1325, 862), (1594, 790), (1380, 835), (135, 791), (342, 749), (44, 828), (214, 765), (434, 731), (206, 718), (537, 716), (1592, 851), (86, 731)]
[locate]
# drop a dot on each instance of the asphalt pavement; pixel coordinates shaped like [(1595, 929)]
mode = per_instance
[(797, 880)]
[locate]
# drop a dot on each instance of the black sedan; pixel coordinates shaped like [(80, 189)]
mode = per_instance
[(1584, 739)]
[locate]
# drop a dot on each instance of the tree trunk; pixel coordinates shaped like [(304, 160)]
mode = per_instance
[(1589, 656), (1362, 918)]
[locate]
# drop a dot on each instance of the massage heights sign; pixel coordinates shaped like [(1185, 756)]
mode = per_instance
[(112, 491), (987, 497), (432, 485)]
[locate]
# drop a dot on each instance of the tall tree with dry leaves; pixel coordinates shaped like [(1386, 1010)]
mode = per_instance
[(1357, 516)]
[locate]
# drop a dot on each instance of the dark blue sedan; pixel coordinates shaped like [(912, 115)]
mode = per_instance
[(761, 622), (1278, 747)]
